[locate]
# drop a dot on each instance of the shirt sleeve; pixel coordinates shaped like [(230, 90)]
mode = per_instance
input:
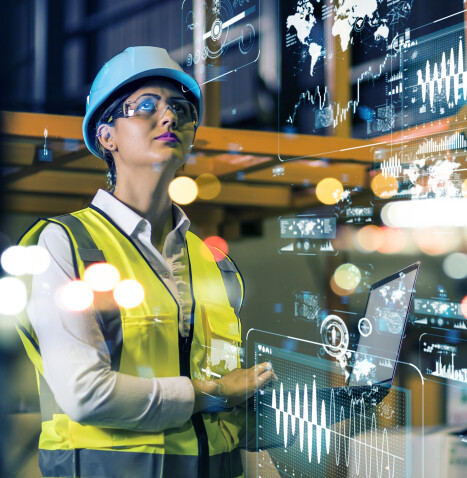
[(77, 365)]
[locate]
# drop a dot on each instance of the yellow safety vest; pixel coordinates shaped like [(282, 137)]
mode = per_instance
[(145, 341)]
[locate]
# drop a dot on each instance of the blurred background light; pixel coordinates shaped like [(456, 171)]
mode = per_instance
[(393, 240), (218, 247), (329, 191), (38, 259), (455, 265), (442, 212), (209, 186), (101, 277), (347, 276), (15, 260), (464, 306), (339, 290), (369, 238), (436, 241), (13, 296), (75, 296), (384, 186), (128, 293), (183, 190)]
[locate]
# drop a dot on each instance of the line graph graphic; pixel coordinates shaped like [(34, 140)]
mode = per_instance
[(443, 358), (316, 430)]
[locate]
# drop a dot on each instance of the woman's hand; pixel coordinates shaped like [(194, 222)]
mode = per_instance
[(234, 388)]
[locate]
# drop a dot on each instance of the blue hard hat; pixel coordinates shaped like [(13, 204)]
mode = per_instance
[(130, 65)]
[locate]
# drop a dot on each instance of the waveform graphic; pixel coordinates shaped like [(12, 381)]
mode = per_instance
[(450, 371), (455, 141), (317, 432), (391, 167), (441, 76), (460, 325)]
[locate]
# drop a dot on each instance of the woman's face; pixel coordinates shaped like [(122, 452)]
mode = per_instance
[(141, 141)]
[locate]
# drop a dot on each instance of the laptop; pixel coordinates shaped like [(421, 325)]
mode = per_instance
[(383, 326)]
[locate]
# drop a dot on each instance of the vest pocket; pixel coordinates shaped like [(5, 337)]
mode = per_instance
[(148, 345), (221, 340)]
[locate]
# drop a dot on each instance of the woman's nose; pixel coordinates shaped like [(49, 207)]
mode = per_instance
[(169, 117)]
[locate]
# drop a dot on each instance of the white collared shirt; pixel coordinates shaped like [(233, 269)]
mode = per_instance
[(74, 354)]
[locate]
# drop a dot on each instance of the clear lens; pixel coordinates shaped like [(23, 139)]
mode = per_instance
[(147, 105)]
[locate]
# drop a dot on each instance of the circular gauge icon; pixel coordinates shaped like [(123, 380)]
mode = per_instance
[(364, 327), (247, 38), (334, 335), (217, 33)]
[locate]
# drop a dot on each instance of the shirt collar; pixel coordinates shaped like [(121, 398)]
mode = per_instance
[(128, 220)]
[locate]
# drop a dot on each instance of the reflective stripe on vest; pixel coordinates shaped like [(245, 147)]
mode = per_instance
[(143, 341)]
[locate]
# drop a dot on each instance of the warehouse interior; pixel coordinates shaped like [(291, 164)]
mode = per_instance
[(284, 128)]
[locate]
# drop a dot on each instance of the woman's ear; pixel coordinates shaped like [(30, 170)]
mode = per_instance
[(106, 139)]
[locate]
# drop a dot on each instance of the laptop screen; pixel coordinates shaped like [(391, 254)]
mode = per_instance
[(383, 327)]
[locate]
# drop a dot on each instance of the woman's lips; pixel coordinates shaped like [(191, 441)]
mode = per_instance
[(168, 137)]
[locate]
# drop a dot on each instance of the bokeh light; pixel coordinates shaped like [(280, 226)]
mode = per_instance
[(13, 296), (339, 290), (209, 186), (464, 188), (15, 260), (384, 186), (329, 191), (75, 296), (101, 277), (39, 259), (464, 306), (436, 241), (218, 247), (393, 240), (128, 293), (370, 238), (455, 265), (183, 190), (347, 276)]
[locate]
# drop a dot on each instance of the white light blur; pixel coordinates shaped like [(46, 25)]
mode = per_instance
[(129, 293), (101, 277), (13, 296), (455, 265), (15, 260), (443, 212), (75, 296), (20, 260), (39, 259)]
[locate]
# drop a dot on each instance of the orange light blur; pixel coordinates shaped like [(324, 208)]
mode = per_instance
[(329, 191), (209, 186), (464, 188), (218, 247), (464, 306), (370, 238), (436, 241), (384, 186), (394, 240)]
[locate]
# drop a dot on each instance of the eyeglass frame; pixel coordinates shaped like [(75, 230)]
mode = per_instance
[(120, 112)]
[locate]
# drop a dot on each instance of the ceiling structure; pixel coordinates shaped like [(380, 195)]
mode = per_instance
[(245, 162)]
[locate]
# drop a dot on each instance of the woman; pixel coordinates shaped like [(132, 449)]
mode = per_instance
[(129, 391)]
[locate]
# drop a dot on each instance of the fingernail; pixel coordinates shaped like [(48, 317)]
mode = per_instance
[(268, 366)]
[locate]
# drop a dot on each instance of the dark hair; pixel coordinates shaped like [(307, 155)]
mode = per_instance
[(111, 109)]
